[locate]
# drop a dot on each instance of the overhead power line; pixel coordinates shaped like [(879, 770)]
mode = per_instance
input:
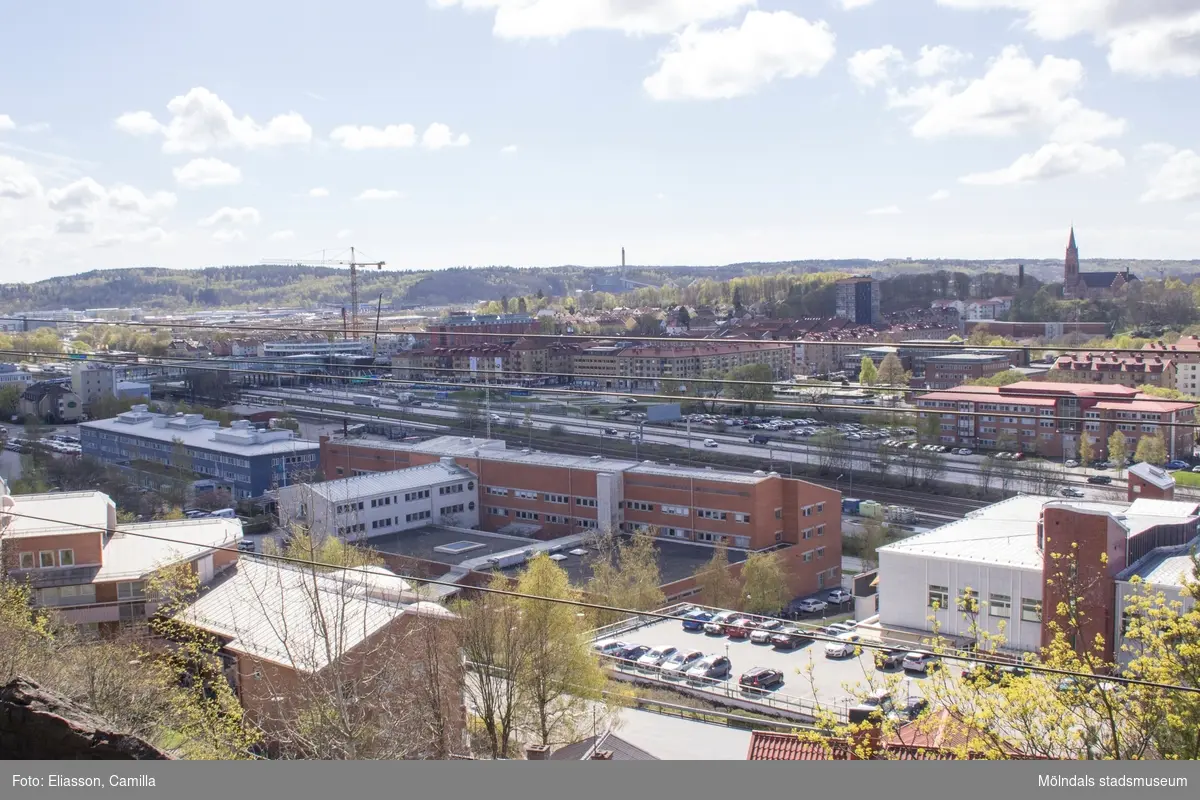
[(584, 604)]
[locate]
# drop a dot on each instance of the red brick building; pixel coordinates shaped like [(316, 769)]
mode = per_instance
[(1048, 418), (1113, 369), (546, 496)]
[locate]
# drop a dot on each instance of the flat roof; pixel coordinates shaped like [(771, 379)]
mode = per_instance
[(200, 438), (72, 512), (132, 556), (396, 480), (950, 395), (969, 357), (697, 473), (676, 560), (1005, 533)]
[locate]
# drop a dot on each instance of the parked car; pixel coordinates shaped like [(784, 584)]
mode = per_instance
[(679, 662), (912, 709), (838, 628), (839, 597), (711, 668), (788, 637), (1069, 492), (889, 659), (879, 699), (1100, 480), (716, 626), (1070, 464), (763, 633), (919, 662), (630, 655), (710, 443), (740, 628), (611, 648), (695, 620), (761, 678), (843, 647), (654, 658), (1177, 464), (610, 431), (811, 606)]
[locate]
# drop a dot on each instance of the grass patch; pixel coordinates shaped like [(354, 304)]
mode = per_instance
[(1185, 478)]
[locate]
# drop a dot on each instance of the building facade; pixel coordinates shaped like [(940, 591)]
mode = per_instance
[(13, 374), (93, 382), (1090, 285), (1003, 569), (948, 371), (52, 403), (381, 503), (78, 561), (546, 496), (246, 461), (463, 329), (1185, 355), (1115, 370), (1049, 418), (857, 299)]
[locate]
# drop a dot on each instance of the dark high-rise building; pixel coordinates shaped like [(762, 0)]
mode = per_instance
[(858, 301)]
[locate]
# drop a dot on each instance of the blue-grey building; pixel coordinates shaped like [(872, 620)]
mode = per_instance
[(247, 461)]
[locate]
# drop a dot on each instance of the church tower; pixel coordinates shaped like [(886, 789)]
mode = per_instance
[(1071, 267)]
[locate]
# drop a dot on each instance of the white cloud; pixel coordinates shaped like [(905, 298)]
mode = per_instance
[(17, 181), (345, 233), (707, 64), (1157, 150), (437, 136), (6, 123), (940, 194), (366, 137), (938, 59), (1014, 96), (318, 192), (1193, 217), (526, 19), (228, 235), (1053, 160), (36, 127), (850, 5), (200, 172), (1149, 38), (508, 150), (1176, 180), (87, 195), (282, 236), (228, 215), (869, 68), (200, 121), (380, 194), (885, 211)]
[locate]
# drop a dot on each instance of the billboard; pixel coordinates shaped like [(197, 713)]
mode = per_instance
[(663, 412)]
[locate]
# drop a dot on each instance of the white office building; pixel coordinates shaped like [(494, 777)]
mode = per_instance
[(11, 373), (92, 382), (382, 503), (339, 347)]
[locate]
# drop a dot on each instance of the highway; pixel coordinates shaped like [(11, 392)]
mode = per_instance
[(781, 455)]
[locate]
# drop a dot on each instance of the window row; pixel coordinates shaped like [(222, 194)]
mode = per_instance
[(44, 559), (998, 605)]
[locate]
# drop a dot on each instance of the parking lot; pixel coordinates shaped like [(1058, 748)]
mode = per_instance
[(811, 681)]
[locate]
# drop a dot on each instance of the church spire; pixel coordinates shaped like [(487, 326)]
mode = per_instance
[(1071, 244)]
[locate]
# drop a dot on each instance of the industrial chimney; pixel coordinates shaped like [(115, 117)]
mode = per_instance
[(1020, 276), (622, 259)]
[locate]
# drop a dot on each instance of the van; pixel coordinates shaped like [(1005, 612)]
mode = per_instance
[(759, 438), (224, 513)]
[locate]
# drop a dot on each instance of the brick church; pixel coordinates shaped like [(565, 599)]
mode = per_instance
[(1090, 285)]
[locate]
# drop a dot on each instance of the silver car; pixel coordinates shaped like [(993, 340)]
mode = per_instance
[(653, 660)]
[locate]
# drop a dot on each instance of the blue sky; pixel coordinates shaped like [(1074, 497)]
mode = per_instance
[(435, 133)]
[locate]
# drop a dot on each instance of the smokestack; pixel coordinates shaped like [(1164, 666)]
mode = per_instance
[(1020, 275), (537, 752), (622, 258)]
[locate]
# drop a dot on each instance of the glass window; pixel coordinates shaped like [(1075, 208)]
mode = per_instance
[(66, 558), (939, 596), (28, 561), (1031, 610), (46, 558), (1000, 605)]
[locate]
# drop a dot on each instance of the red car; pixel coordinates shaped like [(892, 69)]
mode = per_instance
[(740, 628)]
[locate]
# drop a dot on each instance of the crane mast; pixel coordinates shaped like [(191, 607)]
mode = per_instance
[(353, 264)]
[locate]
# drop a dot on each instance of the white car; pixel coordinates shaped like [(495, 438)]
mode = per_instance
[(1071, 464), (654, 659), (763, 633), (843, 647), (710, 442), (677, 665), (811, 605), (918, 662)]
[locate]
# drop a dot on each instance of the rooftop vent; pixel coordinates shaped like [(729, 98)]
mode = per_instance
[(759, 472), (597, 458)]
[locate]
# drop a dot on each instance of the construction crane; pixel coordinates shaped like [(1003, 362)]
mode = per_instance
[(353, 264)]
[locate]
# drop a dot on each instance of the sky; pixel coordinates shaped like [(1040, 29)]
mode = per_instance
[(440, 133)]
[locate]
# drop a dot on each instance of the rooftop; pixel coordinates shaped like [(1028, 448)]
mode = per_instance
[(281, 614), (195, 431), (71, 512), (961, 357), (1165, 567), (387, 482), (1155, 476), (133, 556), (1005, 533)]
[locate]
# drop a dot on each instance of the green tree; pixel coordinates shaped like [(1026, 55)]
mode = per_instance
[(765, 583), (684, 317), (1118, 449), (1152, 450), (1086, 450), (562, 680), (757, 386), (10, 400), (625, 574), (718, 586), (891, 371), (867, 374)]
